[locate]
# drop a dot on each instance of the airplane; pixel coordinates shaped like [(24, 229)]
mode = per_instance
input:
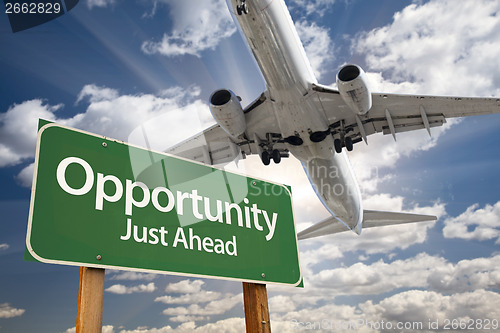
[(314, 122)]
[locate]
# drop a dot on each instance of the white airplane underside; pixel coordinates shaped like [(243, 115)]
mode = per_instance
[(315, 123)]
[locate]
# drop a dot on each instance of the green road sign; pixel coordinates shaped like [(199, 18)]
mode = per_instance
[(98, 202)]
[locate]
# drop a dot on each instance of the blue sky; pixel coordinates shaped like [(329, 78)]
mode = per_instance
[(109, 66)]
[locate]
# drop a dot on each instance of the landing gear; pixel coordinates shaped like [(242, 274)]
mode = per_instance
[(266, 157), (343, 141), (338, 144), (348, 143), (266, 150), (242, 9), (276, 156)]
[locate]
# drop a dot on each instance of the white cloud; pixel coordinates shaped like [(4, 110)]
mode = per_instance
[(117, 115), (281, 303), (376, 278), (216, 307), (371, 241), (132, 276), (408, 307), (377, 83), (99, 3), (96, 94), (420, 272), (422, 306), (372, 162), (7, 311), (4, 246), (185, 318), (185, 287), (201, 296), (475, 224), (18, 128), (108, 113), (192, 293), (121, 289), (390, 238), (310, 7), (25, 177), (229, 325), (423, 271), (455, 291), (193, 31), (466, 275), (105, 329), (315, 318), (317, 44), (415, 308), (437, 46)]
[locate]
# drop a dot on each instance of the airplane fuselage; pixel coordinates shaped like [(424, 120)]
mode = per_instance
[(280, 55)]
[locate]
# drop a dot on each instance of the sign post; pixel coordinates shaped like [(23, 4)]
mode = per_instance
[(90, 299), (256, 308)]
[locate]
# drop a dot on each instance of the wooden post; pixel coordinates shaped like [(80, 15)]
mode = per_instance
[(90, 295), (256, 308)]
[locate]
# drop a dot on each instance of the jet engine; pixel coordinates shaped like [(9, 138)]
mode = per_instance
[(226, 109), (351, 82)]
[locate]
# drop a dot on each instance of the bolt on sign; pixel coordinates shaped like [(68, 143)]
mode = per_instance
[(102, 203)]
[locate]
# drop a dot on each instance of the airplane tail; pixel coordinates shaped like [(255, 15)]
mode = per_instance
[(371, 219)]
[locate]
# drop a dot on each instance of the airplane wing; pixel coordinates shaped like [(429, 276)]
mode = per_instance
[(215, 146), (371, 219), (394, 113), (212, 146), (390, 114)]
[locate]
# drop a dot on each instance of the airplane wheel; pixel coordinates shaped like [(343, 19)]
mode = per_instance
[(266, 158), (348, 144), (242, 9), (338, 145), (276, 156)]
